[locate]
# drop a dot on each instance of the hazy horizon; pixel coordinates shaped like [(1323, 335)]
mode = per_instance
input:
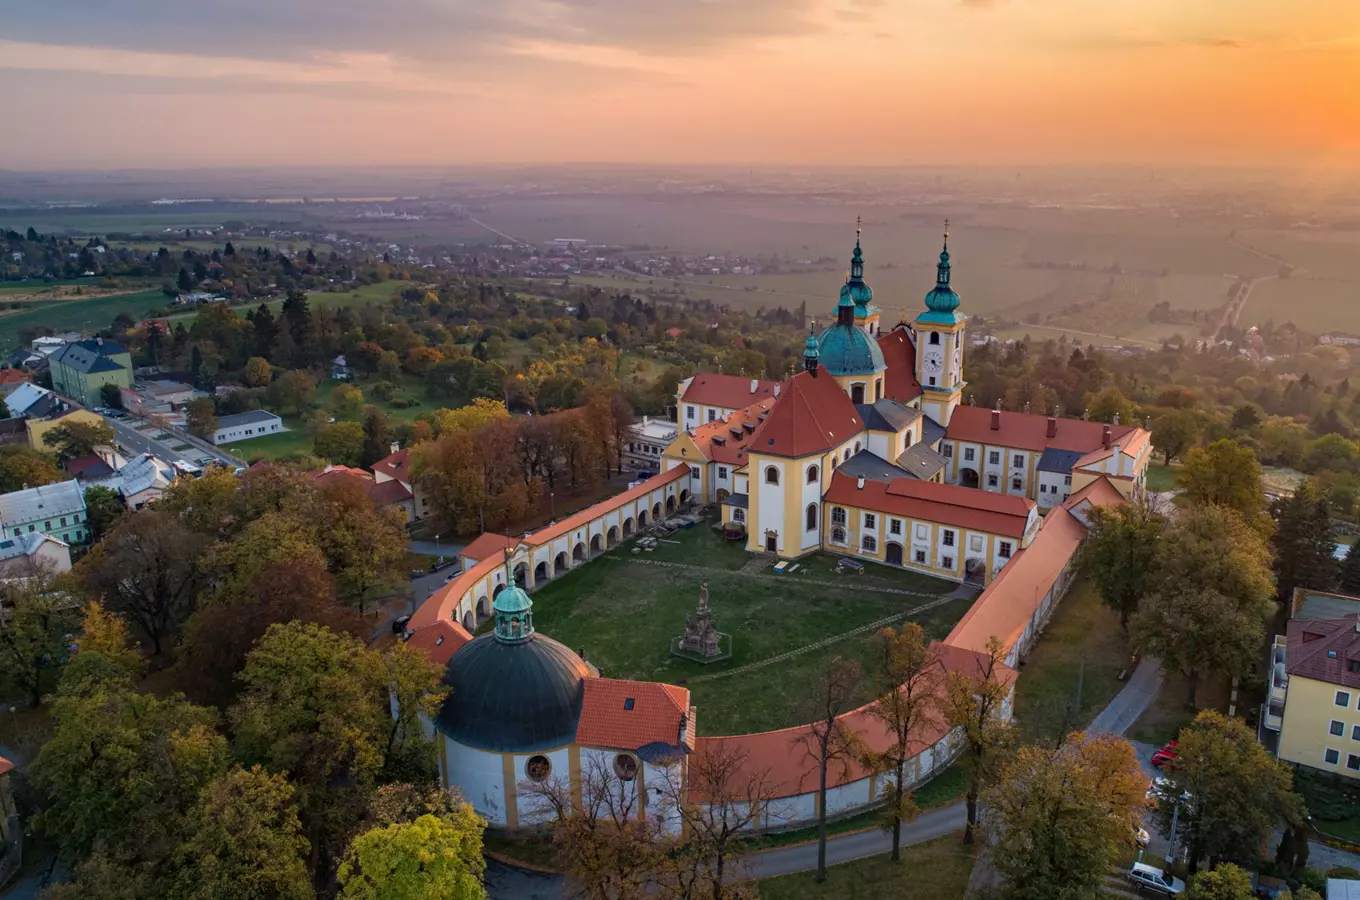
[(839, 83)]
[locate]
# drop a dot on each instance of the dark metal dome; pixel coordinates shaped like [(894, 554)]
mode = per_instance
[(513, 697)]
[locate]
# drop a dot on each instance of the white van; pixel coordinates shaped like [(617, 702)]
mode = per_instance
[(1150, 878)]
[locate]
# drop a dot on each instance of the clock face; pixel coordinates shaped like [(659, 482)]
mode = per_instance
[(934, 361)]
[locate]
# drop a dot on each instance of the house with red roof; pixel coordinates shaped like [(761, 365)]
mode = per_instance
[(396, 467), (390, 493), (707, 397)]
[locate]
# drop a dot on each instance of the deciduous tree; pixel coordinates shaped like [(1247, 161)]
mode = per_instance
[(35, 640), (347, 401), (200, 417), (1175, 432), (1121, 553), (22, 467), (340, 442), (973, 702), (1224, 474), (258, 371), (78, 438), (828, 739), (293, 391), (432, 858), (1226, 882), (103, 507)]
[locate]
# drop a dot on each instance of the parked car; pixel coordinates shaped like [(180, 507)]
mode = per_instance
[(399, 624), (1153, 880), (1170, 750)]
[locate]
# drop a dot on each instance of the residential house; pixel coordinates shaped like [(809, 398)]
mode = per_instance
[(388, 493), (397, 467), (23, 397), (55, 509), (38, 427), (25, 555), (707, 397), (11, 379), (647, 440), (341, 370), (246, 425), (1319, 722), (81, 369)]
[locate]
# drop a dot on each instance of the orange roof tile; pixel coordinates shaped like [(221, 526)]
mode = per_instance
[(1131, 443), (899, 355), (727, 391), (948, 504), (1099, 492), (725, 441), (439, 641), (590, 513), (811, 416), (395, 465), (1028, 431), (486, 545), (1005, 607), (608, 719), (14, 376)]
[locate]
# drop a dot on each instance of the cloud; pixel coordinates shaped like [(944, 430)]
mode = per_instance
[(983, 4)]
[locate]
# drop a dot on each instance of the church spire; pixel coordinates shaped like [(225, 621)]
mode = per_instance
[(857, 257), (942, 298), (942, 276), (811, 352)]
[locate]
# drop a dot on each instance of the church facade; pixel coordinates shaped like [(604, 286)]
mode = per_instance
[(870, 451)]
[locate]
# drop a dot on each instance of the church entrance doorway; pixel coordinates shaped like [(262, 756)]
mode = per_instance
[(771, 542), (892, 553), (968, 477)]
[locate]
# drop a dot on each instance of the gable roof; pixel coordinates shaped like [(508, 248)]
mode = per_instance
[(439, 641), (24, 396), (948, 504), (727, 391), (1028, 431), (395, 465), (383, 494), (812, 415), (651, 720), (60, 499), (1098, 493), (90, 356), (1057, 460), (899, 355), (887, 415), (1323, 649), (865, 464), (486, 545), (921, 461), (1130, 444), (725, 441)]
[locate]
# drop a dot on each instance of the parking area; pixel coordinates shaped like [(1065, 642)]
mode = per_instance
[(137, 437)]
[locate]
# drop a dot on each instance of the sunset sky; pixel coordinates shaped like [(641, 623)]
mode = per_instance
[(94, 83)]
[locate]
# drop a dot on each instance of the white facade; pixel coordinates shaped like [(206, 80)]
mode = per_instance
[(244, 426)]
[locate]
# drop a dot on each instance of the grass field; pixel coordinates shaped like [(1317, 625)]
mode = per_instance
[(1161, 478), (935, 870), (1313, 304), (1168, 714), (624, 611), (80, 314), (1082, 643)]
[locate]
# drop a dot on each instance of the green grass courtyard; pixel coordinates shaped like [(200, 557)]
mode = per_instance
[(623, 609)]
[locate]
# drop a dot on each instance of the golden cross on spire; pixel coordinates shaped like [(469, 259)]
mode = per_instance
[(858, 226), (946, 229)]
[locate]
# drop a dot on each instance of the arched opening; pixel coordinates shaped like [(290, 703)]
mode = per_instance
[(468, 624), (596, 545), (628, 527), (893, 553), (968, 477), (810, 515), (838, 535), (771, 475), (857, 446), (670, 504), (723, 494), (642, 519), (934, 337), (684, 495), (656, 511), (482, 611), (812, 474), (857, 392), (560, 564), (541, 572), (975, 570), (578, 553), (625, 767), (612, 536), (869, 544), (521, 574)]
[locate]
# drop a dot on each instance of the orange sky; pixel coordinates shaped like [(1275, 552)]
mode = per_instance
[(184, 83)]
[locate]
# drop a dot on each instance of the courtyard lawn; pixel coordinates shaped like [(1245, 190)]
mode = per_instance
[(936, 869), (1083, 631), (1161, 478), (623, 610)]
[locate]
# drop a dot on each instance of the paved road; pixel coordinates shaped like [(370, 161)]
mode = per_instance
[(1135, 697), (137, 442)]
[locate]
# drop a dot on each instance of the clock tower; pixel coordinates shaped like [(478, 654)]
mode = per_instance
[(939, 345)]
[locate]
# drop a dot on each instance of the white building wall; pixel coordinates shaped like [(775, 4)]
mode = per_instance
[(769, 511), (1052, 490), (882, 443), (810, 493), (479, 776), (529, 809)]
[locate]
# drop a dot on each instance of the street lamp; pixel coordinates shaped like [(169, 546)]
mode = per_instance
[(552, 500)]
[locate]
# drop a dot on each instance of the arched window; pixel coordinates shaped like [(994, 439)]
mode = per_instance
[(846, 455), (771, 475), (837, 515), (857, 392), (934, 337), (838, 535), (856, 446), (869, 544), (878, 388), (906, 440), (538, 768), (811, 516), (812, 474), (625, 767)]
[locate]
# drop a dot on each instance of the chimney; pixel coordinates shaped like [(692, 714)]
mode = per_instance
[(859, 483), (1116, 418), (684, 726), (776, 391), (1052, 426), (1105, 438), (996, 420), (394, 447), (754, 384)]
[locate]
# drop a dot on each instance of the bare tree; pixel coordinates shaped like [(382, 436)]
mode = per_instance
[(828, 740), (720, 802), (609, 850), (908, 677), (973, 703)]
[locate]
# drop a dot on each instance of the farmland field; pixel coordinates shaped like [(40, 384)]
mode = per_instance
[(1312, 304), (88, 314)]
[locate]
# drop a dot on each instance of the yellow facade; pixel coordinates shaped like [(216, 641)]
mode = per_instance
[(854, 533), (38, 428), (1313, 711), (870, 387), (794, 492)]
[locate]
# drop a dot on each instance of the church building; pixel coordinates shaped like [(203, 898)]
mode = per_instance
[(870, 451)]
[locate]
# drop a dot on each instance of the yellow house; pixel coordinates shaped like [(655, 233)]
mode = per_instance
[(1320, 725), (38, 428)]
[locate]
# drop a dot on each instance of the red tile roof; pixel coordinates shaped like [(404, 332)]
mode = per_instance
[(5, 766), (1099, 492), (14, 376), (1028, 431), (395, 466), (726, 441), (487, 545), (948, 504), (606, 720), (727, 391), (439, 641), (1323, 649), (1004, 609), (1131, 444), (782, 756), (384, 494), (899, 355), (812, 415)]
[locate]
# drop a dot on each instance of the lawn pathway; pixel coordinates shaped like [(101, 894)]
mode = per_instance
[(800, 580)]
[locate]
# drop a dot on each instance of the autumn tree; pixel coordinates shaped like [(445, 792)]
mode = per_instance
[(472, 417), (103, 507), (41, 615), (1303, 542), (1121, 553), (340, 442), (1225, 882), (1063, 817), (243, 840), (431, 858), (1224, 474), (973, 702), (1175, 432), (293, 390), (364, 544), (1238, 793), (22, 467), (78, 438), (828, 739), (106, 634), (1110, 405), (147, 568), (258, 371), (907, 677), (200, 417), (347, 401)]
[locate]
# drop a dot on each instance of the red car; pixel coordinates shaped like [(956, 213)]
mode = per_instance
[(1167, 754)]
